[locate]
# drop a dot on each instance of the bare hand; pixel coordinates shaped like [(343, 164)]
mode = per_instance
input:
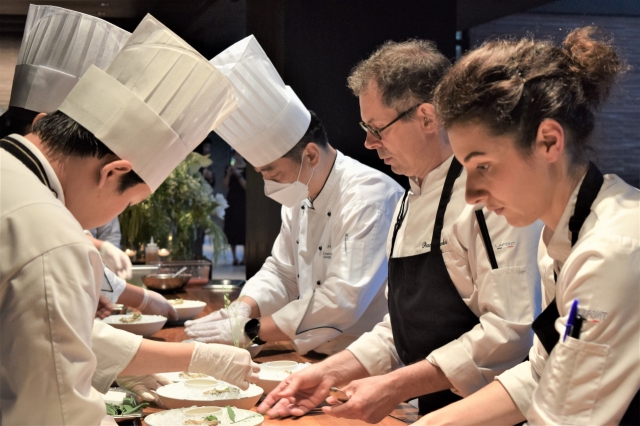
[(371, 400), (104, 307), (298, 393)]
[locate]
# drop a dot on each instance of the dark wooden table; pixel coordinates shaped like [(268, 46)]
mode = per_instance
[(214, 298)]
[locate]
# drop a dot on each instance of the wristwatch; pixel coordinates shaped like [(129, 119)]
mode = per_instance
[(251, 329)]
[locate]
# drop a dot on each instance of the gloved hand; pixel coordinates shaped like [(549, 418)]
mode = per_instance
[(116, 260), (240, 308), (154, 304), (144, 386), (232, 365), (228, 330)]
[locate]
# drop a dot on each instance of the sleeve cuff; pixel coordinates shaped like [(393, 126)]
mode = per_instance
[(114, 350), (520, 383), (269, 296), (374, 354), (459, 367)]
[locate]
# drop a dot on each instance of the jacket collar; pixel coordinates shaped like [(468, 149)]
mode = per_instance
[(322, 200), (433, 180)]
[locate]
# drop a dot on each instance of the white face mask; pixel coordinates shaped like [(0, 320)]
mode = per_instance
[(288, 194)]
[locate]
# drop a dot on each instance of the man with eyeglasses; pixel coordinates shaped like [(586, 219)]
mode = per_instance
[(463, 284)]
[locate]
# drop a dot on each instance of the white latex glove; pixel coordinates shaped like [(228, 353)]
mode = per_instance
[(240, 308), (154, 304), (226, 363), (229, 330), (144, 386), (116, 260)]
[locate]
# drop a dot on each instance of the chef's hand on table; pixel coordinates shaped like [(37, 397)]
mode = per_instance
[(144, 386), (154, 304), (104, 307), (226, 363), (225, 326), (116, 260), (298, 393), (370, 399)]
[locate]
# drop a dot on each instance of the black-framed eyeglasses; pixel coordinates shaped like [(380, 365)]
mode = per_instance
[(377, 132)]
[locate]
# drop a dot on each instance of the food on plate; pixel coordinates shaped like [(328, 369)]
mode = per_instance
[(133, 318), (187, 375), (128, 406), (207, 421), (177, 301), (217, 392)]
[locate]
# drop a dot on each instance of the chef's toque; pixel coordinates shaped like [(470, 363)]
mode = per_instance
[(270, 118), (57, 48), (154, 103)]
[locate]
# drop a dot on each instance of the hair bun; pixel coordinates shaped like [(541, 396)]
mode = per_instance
[(594, 60)]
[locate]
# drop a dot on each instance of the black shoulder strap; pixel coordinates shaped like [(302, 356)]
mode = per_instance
[(454, 171), (486, 239), (587, 194), (26, 157), (401, 214)]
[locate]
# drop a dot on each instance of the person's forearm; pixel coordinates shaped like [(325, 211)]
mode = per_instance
[(270, 332), (255, 309), (344, 367), (159, 357), (419, 379), (131, 296), (490, 405)]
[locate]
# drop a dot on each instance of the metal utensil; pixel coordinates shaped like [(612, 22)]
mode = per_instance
[(181, 270), (338, 394)]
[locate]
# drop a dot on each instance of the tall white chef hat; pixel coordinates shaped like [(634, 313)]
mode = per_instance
[(154, 103), (270, 118), (57, 48)]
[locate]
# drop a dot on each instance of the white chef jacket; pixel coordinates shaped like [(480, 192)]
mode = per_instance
[(324, 282), (590, 380), (503, 299), (50, 276), (112, 285)]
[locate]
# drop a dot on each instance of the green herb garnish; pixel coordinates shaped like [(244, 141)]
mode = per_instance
[(211, 418), (128, 406), (232, 415)]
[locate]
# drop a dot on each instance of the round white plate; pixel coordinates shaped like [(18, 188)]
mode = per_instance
[(177, 395), (148, 324), (188, 309), (174, 376), (178, 417), (271, 374)]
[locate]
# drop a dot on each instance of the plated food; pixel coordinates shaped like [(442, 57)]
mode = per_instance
[(181, 376), (272, 373), (187, 309), (208, 392), (205, 416), (144, 325)]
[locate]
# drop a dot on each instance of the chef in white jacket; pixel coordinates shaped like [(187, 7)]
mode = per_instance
[(323, 285), (584, 366), (112, 144), (463, 284)]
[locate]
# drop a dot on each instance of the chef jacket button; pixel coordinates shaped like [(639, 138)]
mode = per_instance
[(329, 214), (297, 242), (320, 248), (298, 275), (318, 283), (302, 207)]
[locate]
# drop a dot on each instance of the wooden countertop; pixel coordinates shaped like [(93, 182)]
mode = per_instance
[(214, 297)]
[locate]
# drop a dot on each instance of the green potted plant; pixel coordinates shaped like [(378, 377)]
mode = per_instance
[(174, 214)]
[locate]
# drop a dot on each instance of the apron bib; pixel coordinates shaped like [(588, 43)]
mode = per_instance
[(425, 307), (543, 326)]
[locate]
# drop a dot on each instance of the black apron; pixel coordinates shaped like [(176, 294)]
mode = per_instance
[(543, 326), (425, 307)]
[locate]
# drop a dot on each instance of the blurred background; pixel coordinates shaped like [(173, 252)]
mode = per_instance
[(314, 44)]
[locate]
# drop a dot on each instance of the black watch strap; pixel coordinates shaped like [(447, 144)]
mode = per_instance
[(252, 329)]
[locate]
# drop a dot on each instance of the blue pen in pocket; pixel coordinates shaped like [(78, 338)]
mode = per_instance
[(571, 320)]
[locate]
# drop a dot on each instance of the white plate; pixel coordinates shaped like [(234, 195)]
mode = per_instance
[(189, 309), (177, 395), (148, 324), (271, 374), (174, 376), (178, 417)]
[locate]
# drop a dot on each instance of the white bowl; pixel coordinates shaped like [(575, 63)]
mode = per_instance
[(201, 383), (272, 373), (180, 415), (189, 309), (148, 325), (177, 395), (174, 376)]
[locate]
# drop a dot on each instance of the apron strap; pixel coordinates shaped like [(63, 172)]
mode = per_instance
[(26, 157), (401, 214), (486, 239), (454, 171)]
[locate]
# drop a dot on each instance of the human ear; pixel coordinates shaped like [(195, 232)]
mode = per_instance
[(37, 117), (426, 114), (313, 152), (550, 140), (112, 171)]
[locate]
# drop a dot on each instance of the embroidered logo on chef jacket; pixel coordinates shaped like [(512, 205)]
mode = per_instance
[(327, 254), (507, 245), (592, 315), (427, 245)]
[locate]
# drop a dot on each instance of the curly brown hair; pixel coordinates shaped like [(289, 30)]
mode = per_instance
[(406, 73), (511, 86)]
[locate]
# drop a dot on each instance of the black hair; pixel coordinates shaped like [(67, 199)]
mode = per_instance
[(16, 120), (316, 133), (64, 137)]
